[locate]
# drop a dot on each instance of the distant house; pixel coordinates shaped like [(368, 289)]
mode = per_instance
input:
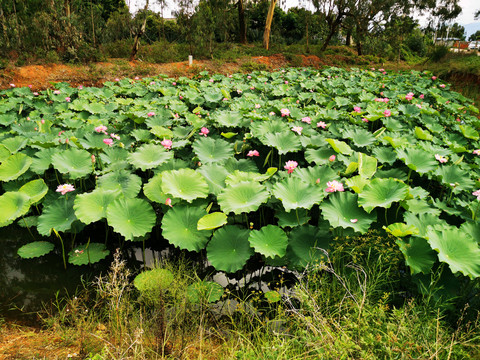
[(448, 42), (460, 44)]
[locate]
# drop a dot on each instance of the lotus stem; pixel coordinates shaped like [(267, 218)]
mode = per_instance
[(143, 252), (298, 219), (386, 217), (63, 249), (474, 215), (28, 227), (409, 174)]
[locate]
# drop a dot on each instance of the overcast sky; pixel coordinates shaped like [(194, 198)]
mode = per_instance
[(466, 17)]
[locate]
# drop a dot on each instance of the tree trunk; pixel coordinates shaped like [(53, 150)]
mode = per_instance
[(348, 38), (268, 24), (306, 33), (4, 29), (241, 23), (333, 28), (93, 26), (136, 42)]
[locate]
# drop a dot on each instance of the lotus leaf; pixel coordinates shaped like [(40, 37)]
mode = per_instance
[(75, 163), (211, 150), (186, 184), (382, 193), (14, 166), (270, 241), (294, 193), (131, 217), (241, 197), (35, 249)]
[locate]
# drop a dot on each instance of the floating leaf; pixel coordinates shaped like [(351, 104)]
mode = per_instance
[(121, 181), (14, 166), (231, 119), (35, 249), (270, 241), (90, 253), (186, 184), (212, 221), (241, 197), (149, 156)]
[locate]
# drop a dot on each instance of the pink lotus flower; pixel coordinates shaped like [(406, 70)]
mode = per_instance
[(211, 80), (421, 96), (284, 112), (317, 181), (60, 133), (239, 91), (253, 153), (136, 78), (290, 165), (150, 114), (12, 85), (168, 202), (57, 92), (321, 124), (93, 159), (386, 100), (353, 221), (434, 78), (180, 97), (441, 158), (334, 186), (101, 128), (271, 113), (249, 77), (364, 119), (332, 158), (30, 86), (108, 142), (297, 129), (258, 106), (152, 82), (286, 82), (114, 136), (409, 96), (65, 188), (252, 87), (35, 93), (67, 99), (477, 194), (174, 83), (476, 152), (442, 86), (204, 131), (381, 70), (387, 113), (307, 120), (167, 144), (80, 87), (42, 121), (357, 109)]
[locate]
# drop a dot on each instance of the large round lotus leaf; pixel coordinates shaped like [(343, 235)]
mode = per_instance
[(382, 193), (58, 215), (186, 184), (311, 175), (471, 228), (91, 207), (360, 137), (212, 221), (42, 160), (319, 156), (284, 142), (341, 209), (242, 197), (153, 280), (270, 241), (419, 160), (13, 205), (35, 249), (458, 249), (204, 292), (76, 163), (246, 165), (307, 244), (294, 193), (35, 189), (419, 206), (28, 221), (422, 221), (114, 158), (419, 256), (14, 144), (123, 181), (211, 150), (231, 119), (452, 174), (357, 183), (384, 154), (292, 218), (215, 175), (229, 248), (241, 176), (213, 96), (149, 156), (261, 128), (131, 217), (88, 254), (401, 229), (153, 190), (14, 166), (179, 227)]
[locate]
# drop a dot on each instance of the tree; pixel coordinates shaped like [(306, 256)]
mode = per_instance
[(475, 36), (140, 32), (268, 24)]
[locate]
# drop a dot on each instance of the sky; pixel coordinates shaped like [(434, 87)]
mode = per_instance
[(466, 17)]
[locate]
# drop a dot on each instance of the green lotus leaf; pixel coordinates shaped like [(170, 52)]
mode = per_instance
[(215, 176), (42, 160), (367, 165), (213, 95), (418, 254), (4, 153), (285, 142), (151, 281), (28, 221), (401, 229), (382, 193), (58, 215), (360, 137), (419, 160), (423, 134), (316, 174), (245, 165), (204, 292), (91, 207), (14, 205), (115, 158), (270, 241), (384, 154), (341, 209), (459, 250), (292, 218), (420, 206), (211, 150), (229, 248), (15, 144), (149, 156), (35, 189), (212, 221), (240, 176), (76, 163), (242, 197), (294, 193), (469, 132), (357, 183), (319, 156), (35, 249), (186, 184), (231, 119), (452, 174), (14, 166), (131, 217), (153, 190), (179, 227), (421, 221), (121, 181), (90, 253), (340, 146), (307, 245), (471, 228)]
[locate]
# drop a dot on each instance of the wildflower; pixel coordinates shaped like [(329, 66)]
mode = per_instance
[(357, 109), (284, 112), (353, 221), (442, 86), (93, 159), (297, 129), (321, 124), (57, 92), (168, 202), (108, 142), (252, 153), (257, 106), (441, 158), (65, 188), (167, 144), (387, 113), (477, 194), (67, 99), (150, 114), (307, 120), (101, 128), (476, 152), (334, 186), (332, 158), (114, 136), (290, 165), (204, 131)]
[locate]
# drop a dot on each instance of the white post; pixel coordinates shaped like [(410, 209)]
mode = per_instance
[(190, 60)]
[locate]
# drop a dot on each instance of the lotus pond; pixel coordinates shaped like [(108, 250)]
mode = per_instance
[(246, 170)]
